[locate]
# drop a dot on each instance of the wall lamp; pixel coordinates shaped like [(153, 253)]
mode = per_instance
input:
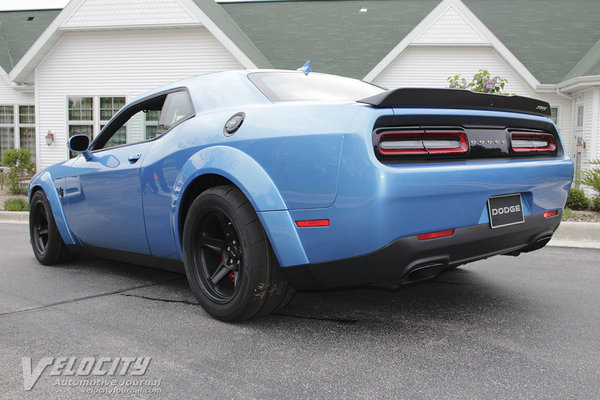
[(49, 138)]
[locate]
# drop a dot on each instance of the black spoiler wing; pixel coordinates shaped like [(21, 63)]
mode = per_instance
[(456, 98)]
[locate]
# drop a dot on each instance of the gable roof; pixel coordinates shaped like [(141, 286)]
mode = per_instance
[(18, 31), (549, 37), (588, 65), (206, 12), (217, 14), (334, 35)]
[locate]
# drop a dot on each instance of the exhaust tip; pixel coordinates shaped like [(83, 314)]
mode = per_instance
[(425, 271), (538, 244)]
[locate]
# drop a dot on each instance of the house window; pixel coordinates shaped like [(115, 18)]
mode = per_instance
[(580, 116), (7, 128), (85, 113), (151, 121), (109, 107), (554, 115), (81, 116), (27, 129)]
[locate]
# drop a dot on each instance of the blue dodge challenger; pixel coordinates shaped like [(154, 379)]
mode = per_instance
[(257, 183)]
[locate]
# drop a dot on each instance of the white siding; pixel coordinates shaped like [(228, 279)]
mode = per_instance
[(97, 13), (588, 102), (595, 151), (117, 63), (450, 27), (430, 66), (8, 95)]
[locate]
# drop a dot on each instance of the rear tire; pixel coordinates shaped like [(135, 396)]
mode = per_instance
[(46, 242), (229, 263)]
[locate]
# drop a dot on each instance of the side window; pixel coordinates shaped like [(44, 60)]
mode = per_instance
[(134, 124), (146, 120), (177, 108)]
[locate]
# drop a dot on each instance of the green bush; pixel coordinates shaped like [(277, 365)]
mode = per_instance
[(16, 205), (568, 213), (591, 176), (577, 200), (20, 164), (596, 204)]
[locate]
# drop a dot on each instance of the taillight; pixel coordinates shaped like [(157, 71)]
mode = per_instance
[(422, 142), (532, 142), (435, 235), (311, 223), (549, 214)]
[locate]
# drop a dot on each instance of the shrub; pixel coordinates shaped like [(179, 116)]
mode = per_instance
[(596, 204), (16, 205), (568, 213), (591, 176), (577, 200), (19, 162), (481, 82)]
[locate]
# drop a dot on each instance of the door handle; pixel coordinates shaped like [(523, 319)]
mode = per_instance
[(134, 157)]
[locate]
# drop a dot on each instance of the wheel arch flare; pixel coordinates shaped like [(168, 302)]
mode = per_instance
[(245, 173)]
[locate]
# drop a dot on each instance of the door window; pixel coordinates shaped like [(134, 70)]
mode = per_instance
[(146, 120)]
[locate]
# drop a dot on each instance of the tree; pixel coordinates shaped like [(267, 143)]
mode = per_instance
[(481, 82), (19, 162)]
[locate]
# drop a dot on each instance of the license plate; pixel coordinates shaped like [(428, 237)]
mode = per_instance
[(505, 210)]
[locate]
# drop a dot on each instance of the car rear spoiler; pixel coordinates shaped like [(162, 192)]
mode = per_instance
[(456, 98)]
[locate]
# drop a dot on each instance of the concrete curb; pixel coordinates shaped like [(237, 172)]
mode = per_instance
[(16, 217), (569, 234), (577, 234)]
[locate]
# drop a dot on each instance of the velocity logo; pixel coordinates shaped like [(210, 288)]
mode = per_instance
[(84, 366)]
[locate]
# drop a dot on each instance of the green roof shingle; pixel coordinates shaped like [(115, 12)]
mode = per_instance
[(233, 32), (18, 31), (548, 36), (334, 35)]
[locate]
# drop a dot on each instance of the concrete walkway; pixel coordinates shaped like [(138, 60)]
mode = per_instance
[(569, 234)]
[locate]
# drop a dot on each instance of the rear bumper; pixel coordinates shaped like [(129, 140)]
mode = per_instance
[(410, 259)]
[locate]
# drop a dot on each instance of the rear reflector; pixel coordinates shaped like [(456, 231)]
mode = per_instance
[(423, 142), (549, 214), (532, 142), (435, 235), (312, 222)]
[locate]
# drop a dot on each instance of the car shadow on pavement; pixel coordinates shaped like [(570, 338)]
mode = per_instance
[(455, 296), (459, 295)]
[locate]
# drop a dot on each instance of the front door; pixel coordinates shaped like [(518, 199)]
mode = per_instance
[(104, 194)]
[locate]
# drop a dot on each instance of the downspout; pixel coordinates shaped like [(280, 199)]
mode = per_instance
[(573, 130)]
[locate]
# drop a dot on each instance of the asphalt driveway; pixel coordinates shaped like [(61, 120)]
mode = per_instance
[(526, 327)]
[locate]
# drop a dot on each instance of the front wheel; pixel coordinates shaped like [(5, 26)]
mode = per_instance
[(46, 242), (229, 263)]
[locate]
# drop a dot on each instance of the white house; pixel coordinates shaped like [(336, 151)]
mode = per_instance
[(95, 55)]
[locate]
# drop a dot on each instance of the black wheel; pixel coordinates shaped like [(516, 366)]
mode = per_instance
[(229, 263), (48, 246)]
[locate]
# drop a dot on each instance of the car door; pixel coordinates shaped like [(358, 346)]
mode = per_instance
[(104, 194)]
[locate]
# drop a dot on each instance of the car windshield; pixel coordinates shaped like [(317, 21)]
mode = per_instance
[(296, 86)]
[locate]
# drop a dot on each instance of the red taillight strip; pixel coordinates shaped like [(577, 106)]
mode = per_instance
[(549, 214), (435, 235), (415, 142), (460, 135), (416, 137), (532, 137), (312, 223)]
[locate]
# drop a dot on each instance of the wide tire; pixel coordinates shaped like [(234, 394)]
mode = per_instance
[(46, 242), (229, 263)]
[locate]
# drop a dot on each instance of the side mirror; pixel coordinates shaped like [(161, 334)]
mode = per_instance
[(80, 144)]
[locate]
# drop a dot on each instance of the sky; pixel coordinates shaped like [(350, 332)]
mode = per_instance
[(31, 4)]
